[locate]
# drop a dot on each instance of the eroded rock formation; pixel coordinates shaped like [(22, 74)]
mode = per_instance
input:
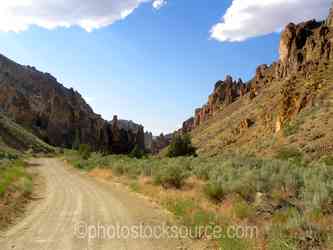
[(125, 134), (57, 114), (225, 93), (303, 48), (188, 125)]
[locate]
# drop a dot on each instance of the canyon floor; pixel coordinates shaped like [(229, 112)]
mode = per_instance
[(68, 205)]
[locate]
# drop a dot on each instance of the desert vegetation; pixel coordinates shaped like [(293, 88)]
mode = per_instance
[(15, 186), (181, 145), (289, 199), (13, 136), (14, 176)]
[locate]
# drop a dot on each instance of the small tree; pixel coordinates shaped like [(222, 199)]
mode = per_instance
[(137, 152), (181, 145), (85, 151)]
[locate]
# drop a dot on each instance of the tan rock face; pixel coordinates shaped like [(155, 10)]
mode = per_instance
[(330, 17), (278, 125), (54, 113), (225, 93), (286, 40), (245, 124), (303, 48)]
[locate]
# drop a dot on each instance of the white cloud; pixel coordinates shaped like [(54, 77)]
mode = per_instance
[(19, 15), (250, 18), (157, 4)]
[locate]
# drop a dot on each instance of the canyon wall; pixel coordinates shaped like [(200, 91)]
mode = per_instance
[(303, 48), (56, 114)]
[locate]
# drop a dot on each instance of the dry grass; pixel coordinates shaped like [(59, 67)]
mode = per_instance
[(15, 189), (14, 137), (288, 196), (311, 130)]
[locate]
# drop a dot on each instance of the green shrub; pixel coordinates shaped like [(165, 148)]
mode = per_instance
[(291, 128), (126, 166), (192, 216), (203, 218), (8, 156), (228, 243), (282, 217), (27, 185), (118, 169), (214, 191), (296, 233), (244, 186), (147, 166), (137, 153), (231, 177), (181, 145), (242, 209), (293, 192), (317, 193), (172, 174), (202, 168), (10, 173), (280, 178), (279, 239), (328, 160), (134, 186), (77, 160), (180, 208), (198, 219), (80, 164), (290, 154), (85, 151)]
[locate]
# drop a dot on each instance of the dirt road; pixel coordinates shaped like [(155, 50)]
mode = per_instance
[(77, 212)]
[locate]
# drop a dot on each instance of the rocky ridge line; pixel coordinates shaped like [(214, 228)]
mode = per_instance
[(303, 48), (58, 115)]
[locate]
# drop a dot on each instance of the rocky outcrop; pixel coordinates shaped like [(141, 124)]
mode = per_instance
[(125, 134), (330, 17), (245, 124), (303, 49), (56, 114), (188, 125), (225, 93)]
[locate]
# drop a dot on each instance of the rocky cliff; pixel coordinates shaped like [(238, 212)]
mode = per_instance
[(126, 134), (56, 114), (302, 48), (225, 92), (277, 94)]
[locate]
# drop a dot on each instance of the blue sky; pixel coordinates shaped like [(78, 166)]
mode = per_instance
[(153, 67)]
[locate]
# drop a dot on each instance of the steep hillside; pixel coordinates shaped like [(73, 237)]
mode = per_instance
[(286, 104), (56, 114), (14, 138)]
